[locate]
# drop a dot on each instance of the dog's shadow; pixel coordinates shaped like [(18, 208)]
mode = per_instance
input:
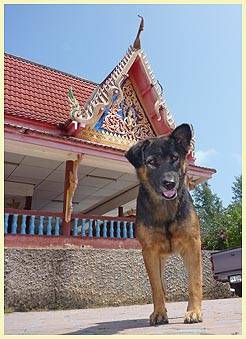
[(113, 327)]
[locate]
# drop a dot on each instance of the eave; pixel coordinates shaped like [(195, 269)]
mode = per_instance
[(71, 146)]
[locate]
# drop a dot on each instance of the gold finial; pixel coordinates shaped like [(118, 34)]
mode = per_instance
[(137, 43)]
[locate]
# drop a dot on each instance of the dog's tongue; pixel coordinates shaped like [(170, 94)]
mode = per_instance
[(170, 193)]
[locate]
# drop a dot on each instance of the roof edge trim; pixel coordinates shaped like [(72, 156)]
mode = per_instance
[(90, 113)]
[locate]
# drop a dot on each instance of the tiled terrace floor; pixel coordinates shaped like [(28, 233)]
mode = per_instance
[(222, 316)]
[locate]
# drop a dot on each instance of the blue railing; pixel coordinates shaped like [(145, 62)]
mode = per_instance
[(106, 228), (42, 223), (33, 224)]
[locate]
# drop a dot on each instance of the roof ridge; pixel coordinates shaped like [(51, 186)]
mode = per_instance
[(50, 68)]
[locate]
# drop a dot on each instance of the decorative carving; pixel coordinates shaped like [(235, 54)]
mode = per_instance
[(13, 203), (99, 100), (130, 213), (123, 122), (191, 184), (160, 105), (137, 42), (77, 113), (192, 144), (107, 139), (73, 182), (127, 118)]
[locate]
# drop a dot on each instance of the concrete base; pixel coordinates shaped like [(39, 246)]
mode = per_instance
[(83, 278)]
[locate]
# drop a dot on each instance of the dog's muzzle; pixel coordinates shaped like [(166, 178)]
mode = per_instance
[(169, 189)]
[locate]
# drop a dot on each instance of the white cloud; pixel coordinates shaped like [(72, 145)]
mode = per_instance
[(202, 157)]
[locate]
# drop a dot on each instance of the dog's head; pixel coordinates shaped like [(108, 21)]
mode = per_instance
[(160, 162)]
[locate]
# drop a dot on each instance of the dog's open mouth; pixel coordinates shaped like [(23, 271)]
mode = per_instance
[(169, 194)]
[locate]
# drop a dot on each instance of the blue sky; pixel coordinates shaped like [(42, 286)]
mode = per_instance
[(194, 51)]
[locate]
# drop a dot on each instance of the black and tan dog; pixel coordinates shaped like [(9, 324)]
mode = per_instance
[(166, 221)]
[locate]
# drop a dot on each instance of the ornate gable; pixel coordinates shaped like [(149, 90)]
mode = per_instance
[(123, 120), (126, 107)]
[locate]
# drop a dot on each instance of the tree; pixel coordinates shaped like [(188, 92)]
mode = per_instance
[(210, 210), (233, 220), (221, 228), (233, 215), (237, 190)]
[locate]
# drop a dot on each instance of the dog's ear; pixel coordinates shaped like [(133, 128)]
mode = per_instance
[(135, 155), (182, 136)]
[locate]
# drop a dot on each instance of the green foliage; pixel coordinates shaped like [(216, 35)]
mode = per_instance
[(237, 190), (221, 227), (234, 225)]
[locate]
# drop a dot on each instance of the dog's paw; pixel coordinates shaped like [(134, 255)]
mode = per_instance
[(158, 318), (192, 317)]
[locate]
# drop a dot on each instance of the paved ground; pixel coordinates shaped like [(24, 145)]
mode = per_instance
[(222, 316)]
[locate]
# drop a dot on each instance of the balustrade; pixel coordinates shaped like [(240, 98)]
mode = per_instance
[(40, 223)]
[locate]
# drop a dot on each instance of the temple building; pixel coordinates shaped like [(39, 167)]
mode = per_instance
[(65, 139)]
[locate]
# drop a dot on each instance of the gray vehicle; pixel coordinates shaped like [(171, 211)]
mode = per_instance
[(227, 267)]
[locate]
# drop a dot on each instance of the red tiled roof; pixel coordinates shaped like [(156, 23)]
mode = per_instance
[(39, 93)]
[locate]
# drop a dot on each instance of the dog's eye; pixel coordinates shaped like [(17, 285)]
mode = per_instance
[(174, 158), (151, 162)]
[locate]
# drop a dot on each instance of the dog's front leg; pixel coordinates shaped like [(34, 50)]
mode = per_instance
[(192, 259), (152, 262)]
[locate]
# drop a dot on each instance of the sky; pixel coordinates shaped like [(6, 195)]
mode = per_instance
[(194, 52)]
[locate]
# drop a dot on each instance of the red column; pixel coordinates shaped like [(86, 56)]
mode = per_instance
[(28, 203), (120, 211), (28, 206)]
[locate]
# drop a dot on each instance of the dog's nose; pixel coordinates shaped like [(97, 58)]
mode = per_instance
[(169, 184)]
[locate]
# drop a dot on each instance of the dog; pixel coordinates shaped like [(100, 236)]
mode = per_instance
[(166, 221)]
